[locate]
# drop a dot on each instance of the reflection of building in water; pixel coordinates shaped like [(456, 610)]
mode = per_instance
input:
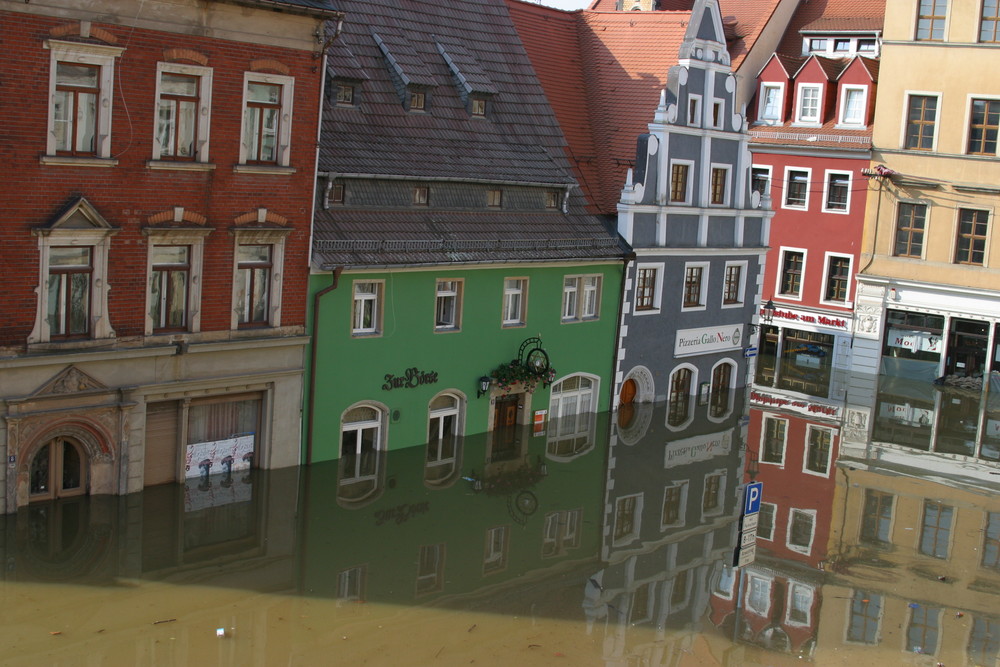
[(669, 526), (914, 567)]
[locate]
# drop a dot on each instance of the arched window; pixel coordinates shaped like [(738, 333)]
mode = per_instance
[(571, 416), (444, 432), (362, 444), (679, 399), (58, 469), (720, 399)]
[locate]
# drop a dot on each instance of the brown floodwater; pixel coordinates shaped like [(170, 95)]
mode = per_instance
[(613, 547)]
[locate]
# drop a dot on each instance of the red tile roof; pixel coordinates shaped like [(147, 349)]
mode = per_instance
[(603, 71), (832, 16)]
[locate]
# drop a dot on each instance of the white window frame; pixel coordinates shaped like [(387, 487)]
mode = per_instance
[(905, 120), (633, 534), (788, 530), (703, 297), (792, 586), (694, 110), (657, 288), (83, 54), (688, 185), (457, 410), (766, 584), (845, 92), (828, 176), (509, 293), (774, 520), (800, 117), (777, 117), (763, 438), (730, 390), (719, 122), (741, 294), (829, 456), (380, 423), (287, 84), (276, 239), (690, 398), (847, 302), (98, 238), (204, 113), (378, 298), (195, 240), (788, 179), (781, 273), (442, 291), (582, 420), (682, 509), (580, 289), (495, 559), (727, 188), (726, 573)]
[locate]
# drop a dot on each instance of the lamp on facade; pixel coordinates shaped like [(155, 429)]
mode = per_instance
[(753, 464), (768, 315), (484, 386)]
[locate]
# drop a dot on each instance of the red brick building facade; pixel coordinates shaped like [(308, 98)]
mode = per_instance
[(159, 183)]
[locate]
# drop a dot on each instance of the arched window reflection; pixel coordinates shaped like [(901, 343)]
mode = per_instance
[(362, 445), (572, 417), (444, 432)]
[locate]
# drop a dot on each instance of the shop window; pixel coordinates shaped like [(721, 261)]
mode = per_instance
[(876, 517), (864, 617), (572, 418), (767, 357), (916, 336), (806, 362), (222, 434), (921, 122), (935, 531)]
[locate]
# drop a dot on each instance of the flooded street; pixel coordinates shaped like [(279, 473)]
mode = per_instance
[(612, 548)]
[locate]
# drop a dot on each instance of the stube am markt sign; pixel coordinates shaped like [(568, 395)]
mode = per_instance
[(691, 342)]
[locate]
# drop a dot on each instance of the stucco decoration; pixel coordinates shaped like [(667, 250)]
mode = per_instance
[(68, 381), (866, 321), (645, 389), (653, 145), (855, 425), (638, 423)]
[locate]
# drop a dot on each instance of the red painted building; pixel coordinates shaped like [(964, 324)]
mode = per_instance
[(159, 187), (811, 145)]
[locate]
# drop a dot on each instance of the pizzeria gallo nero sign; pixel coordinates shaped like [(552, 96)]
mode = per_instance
[(690, 342)]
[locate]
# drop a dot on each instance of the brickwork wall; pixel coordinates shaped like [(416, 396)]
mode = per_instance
[(127, 194)]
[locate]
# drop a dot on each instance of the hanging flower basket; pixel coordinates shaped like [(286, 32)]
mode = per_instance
[(506, 376)]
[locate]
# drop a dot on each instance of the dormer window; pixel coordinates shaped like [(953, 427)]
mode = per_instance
[(337, 193), (421, 195), (841, 45), (866, 46), (770, 103), (477, 106), (494, 198), (808, 108), (418, 101), (345, 95), (852, 109), (551, 199), (817, 45)]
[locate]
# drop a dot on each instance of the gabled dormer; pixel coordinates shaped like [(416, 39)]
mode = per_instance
[(474, 86), (345, 76), (815, 91), (774, 86), (856, 86), (413, 80)]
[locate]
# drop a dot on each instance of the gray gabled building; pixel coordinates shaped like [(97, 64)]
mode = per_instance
[(699, 230)]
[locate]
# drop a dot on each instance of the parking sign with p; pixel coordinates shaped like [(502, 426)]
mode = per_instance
[(751, 501)]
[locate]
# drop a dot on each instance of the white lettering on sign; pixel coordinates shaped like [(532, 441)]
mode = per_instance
[(915, 341), (810, 318)]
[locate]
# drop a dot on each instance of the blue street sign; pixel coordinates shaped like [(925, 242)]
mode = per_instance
[(750, 352), (751, 501)]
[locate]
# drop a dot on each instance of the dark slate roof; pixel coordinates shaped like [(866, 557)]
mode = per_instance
[(367, 238), (448, 49)]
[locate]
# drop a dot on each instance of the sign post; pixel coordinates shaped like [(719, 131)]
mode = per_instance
[(746, 551)]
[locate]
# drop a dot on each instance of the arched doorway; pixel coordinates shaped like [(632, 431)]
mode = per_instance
[(626, 405), (57, 470)]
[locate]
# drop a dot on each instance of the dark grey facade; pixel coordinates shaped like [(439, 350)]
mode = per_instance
[(699, 232)]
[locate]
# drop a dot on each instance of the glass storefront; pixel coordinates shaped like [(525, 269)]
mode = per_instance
[(800, 361)]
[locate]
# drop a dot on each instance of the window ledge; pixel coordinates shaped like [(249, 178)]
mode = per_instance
[(72, 344), (76, 161), (180, 165), (268, 169)]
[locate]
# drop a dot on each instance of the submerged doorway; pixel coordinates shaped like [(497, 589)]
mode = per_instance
[(967, 343), (506, 445), (58, 470)]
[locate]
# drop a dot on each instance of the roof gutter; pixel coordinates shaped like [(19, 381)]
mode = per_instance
[(464, 262), (445, 179)]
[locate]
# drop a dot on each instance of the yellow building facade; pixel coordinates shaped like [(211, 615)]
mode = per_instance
[(928, 300)]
